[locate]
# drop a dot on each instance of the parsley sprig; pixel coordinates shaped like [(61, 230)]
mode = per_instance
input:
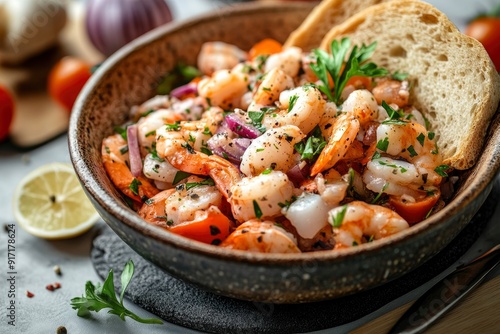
[(99, 297), (332, 66), (311, 148)]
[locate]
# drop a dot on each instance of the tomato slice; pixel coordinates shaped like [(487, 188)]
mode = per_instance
[(414, 212), (210, 226), (267, 46), (6, 112), (66, 80)]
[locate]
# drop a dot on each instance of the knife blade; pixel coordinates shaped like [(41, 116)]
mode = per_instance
[(446, 293)]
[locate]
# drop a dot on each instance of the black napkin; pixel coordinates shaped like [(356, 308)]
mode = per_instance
[(180, 303)]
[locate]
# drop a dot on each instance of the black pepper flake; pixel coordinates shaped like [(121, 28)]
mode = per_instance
[(244, 231), (424, 177), (216, 242), (259, 238), (61, 330), (214, 230)]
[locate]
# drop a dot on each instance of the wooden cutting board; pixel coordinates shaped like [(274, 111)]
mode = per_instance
[(37, 118)]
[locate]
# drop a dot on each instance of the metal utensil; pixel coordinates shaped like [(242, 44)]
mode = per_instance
[(446, 293)]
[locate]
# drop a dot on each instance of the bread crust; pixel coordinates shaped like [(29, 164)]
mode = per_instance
[(323, 17), (454, 82)]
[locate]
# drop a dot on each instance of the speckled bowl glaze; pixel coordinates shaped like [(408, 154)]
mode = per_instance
[(130, 76)]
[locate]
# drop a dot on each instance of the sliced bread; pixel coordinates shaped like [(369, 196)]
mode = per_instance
[(454, 83), (323, 17)]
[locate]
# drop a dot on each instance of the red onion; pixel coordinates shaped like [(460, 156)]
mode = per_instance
[(298, 175), (223, 145), (113, 23), (238, 125), (186, 89), (134, 151)]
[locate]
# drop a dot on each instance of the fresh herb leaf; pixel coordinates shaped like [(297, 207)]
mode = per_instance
[(154, 153), (441, 170), (412, 151), (287, 203), (180, 75), (256, 117), (383, 144), (421, 139), (291, 102), (179, 176), (394, 115), (339, 217), (399, 76), (375, 200), (173, 127), (311, 148), (121, 131), (257, 210), (123, 150), (99, 297), (376, 155), (134, 186), (206, 182), (431, 135), (332, 66)]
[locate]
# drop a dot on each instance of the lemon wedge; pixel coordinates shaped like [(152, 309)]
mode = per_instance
[(50, 203)]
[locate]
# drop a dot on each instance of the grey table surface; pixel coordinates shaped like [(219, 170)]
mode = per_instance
[(35, 258)]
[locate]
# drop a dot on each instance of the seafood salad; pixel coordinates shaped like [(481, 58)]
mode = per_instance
[(280, 151)]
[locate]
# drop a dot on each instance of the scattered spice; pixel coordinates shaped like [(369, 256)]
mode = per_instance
[(57, 270), (53, 286), (29, 294), (61, 330)]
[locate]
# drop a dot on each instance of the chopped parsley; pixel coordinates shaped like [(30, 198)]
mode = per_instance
[(173, 127), (256, 117), (421, 139), (431, 135), (399, 76), (339, 217), (395, 116), (121, 131), (383, 144), (291, 102), (257, 210), (123, 150), (134, 186), (375, 200), (441, 170), (311, 148), (206, 182), (179, 176), (180, 75), (412, 151)]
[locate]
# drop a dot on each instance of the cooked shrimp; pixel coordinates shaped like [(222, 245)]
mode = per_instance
[(412, 142), (158, 169), (261, 196), (215, 56), (116, 161), (274, 149), (261, 236), (146, 126), (340, 136), (183, 203), (362, 105), (332, 187), (225, 88), (175, 147), (302, 106), (153, 210), (354, 222), (392, 92), (268, 92), (154, 103), (288, 61)]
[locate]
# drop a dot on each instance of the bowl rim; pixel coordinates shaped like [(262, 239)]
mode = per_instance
[(131, 219)]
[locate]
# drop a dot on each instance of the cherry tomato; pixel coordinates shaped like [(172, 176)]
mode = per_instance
[(6, 112), (487, 31), (267, 46), (66, 79), (414, 212)]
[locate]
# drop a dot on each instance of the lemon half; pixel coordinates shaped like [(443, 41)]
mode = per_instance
[(50, 203)]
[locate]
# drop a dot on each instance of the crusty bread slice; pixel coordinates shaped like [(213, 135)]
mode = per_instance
[(454, 83), (323, 17)]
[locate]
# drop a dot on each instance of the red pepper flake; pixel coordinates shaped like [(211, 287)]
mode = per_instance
[(53, 286), (29, 294)]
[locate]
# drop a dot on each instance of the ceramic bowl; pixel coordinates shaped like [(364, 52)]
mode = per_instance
[(130, 76)]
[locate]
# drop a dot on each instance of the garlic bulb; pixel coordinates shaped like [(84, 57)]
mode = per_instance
[(29, 27), (113, 23)]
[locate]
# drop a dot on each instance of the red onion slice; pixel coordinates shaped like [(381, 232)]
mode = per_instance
[(298, 175), (183, 90), (224, 146), (134, 151), (238, 125)]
